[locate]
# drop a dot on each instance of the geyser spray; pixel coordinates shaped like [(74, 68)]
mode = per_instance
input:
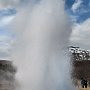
[(43, 31)]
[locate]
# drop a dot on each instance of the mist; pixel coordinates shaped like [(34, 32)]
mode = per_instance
[(40, 53)]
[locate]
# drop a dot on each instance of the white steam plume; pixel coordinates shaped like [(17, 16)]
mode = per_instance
[(43, 38)]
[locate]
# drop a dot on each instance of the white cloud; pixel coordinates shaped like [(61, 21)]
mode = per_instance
[(76, 5), (6, 45), (8, 3), (6, 20), (81, 34)]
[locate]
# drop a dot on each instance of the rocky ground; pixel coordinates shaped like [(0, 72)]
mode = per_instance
[(7, 73), (80, 88), (80, 69)]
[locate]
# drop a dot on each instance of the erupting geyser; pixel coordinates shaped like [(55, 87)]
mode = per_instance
[(44, 32)]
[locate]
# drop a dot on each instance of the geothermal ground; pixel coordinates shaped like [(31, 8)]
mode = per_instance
[(81, 69), (7, 72), (80, 88)]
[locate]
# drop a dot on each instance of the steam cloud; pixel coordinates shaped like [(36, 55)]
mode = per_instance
[(43, 32)]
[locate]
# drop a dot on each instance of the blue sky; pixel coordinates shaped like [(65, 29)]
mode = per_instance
[(77, 10), (6, 36)]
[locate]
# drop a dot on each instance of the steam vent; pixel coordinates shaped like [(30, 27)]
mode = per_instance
[(7, 75), (80, 61)]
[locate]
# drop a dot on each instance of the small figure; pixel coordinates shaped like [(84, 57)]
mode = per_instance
[(85, 83), (82, 82)]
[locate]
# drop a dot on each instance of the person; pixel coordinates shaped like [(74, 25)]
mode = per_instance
[(85, 83), (82, 82)]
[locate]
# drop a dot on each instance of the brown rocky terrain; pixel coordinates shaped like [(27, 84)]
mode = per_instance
[(80, 69), (7, 73)]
